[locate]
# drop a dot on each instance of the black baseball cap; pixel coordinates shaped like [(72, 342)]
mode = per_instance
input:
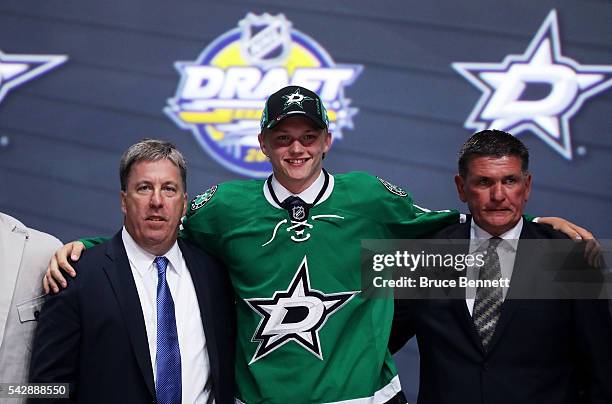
[(292, 100)]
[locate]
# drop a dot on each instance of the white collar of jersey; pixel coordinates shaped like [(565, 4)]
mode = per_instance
[(510, 237), (142, 260), (308, 195)]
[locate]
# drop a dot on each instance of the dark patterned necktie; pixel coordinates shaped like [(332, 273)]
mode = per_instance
[(168, 360), (488, 299)]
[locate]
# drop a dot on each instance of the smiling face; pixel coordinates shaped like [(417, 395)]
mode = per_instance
[(496, 190), (153, 203), (295, 147)]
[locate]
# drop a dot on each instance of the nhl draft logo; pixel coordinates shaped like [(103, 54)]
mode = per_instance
[(221, 95), (296, 314), (16, 70), (505, 103)]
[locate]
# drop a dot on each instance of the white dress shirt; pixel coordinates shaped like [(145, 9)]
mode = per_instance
[(506, 250), (308, 195), (195, 366)]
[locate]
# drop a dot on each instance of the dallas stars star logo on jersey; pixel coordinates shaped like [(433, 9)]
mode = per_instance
[(295, 98), (296, 314), (505, 103)]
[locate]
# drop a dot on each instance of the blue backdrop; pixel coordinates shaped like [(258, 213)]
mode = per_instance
[(406, 83)]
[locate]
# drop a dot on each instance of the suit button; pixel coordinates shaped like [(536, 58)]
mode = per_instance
[(485, 366)]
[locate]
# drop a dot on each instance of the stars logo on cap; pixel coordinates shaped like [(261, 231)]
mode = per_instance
[(503, 105), (295, 98), (296, 314)]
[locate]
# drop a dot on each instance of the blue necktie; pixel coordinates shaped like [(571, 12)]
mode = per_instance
[(168, 386)]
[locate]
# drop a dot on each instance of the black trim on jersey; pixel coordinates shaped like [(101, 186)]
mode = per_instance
[(319, 196)]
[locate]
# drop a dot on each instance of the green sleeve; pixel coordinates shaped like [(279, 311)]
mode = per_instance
[(417, 222), (403, 218), (195, 228), (529, 217), (93, 241), (204, 222)]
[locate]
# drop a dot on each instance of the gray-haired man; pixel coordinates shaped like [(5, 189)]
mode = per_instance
[(148, 319)]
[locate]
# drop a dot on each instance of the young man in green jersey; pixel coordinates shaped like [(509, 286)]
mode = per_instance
[(292, 245)]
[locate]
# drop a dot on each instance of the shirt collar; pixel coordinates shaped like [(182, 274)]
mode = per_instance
[(510, 237), (308, 195), (142, 259)]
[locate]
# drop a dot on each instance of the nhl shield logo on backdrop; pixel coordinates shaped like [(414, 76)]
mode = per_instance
[(265, 40), (221, 95)]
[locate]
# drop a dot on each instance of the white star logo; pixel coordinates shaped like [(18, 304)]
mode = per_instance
[(296, 314), (295, 98), (18, 69), (503, 104)]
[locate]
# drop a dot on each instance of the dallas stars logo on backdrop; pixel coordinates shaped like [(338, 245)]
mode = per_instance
[(16, 70), (296, 314), (503, 84)]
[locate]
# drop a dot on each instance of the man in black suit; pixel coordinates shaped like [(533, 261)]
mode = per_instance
[(485, 348), (148, 319)]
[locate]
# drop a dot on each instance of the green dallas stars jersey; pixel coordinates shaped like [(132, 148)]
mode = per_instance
[(305, 335), (304, 332)]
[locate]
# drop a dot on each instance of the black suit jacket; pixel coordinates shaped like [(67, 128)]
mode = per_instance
[(542, 351), (92, 334)]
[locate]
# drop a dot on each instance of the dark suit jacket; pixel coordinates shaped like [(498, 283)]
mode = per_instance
[(543, 351), (92, 334)]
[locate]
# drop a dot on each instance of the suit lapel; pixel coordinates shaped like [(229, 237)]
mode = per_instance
[(467, 323), (508, 309), (120, 276), (520, 278), (464, 319), (199, 276), (13, 243)]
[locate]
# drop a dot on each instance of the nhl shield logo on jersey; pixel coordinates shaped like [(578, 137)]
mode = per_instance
[(296, 314), (200, 200), (298, 212), (221, 94), (394, 189)]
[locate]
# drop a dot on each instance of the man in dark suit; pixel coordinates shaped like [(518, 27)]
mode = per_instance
[(148, 319), (485, 348)]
